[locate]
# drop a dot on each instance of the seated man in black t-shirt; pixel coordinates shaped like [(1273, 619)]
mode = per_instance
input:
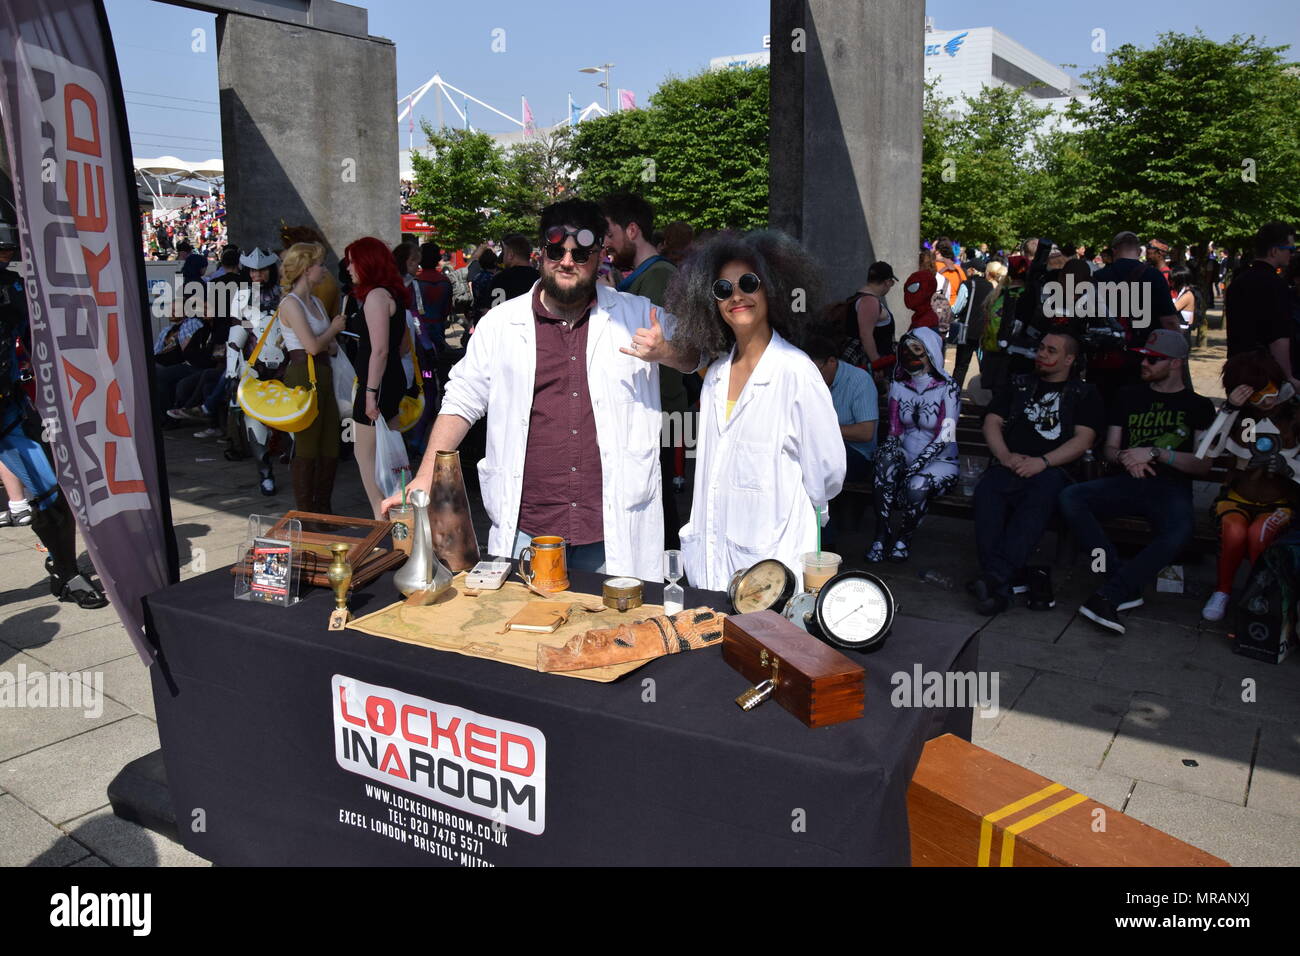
[(1154, 429), (1035, 426)]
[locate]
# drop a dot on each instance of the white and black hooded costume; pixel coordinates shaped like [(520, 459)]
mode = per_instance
[(918, 458)]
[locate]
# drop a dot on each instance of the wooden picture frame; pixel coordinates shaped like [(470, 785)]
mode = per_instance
[(320, 531)]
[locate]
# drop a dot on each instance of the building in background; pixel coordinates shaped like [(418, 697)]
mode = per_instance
[(961, 62)]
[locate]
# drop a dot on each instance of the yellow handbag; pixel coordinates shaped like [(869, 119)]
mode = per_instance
[(274, 404), (411, 408)]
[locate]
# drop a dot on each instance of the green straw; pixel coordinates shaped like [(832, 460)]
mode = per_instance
[(404, 490), (818, 512)]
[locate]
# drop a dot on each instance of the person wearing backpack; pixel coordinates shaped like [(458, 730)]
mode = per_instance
[(865, 321), (945, 265)]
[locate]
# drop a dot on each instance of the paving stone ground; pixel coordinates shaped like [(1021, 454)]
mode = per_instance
[(1152, 723)]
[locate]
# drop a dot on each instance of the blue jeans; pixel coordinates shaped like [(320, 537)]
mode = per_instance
[(582, 557), (1011, 514), (1166, 504), (27, 459)]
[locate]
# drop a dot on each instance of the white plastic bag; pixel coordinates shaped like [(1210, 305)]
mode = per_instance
[(390, 458), (344, 382)]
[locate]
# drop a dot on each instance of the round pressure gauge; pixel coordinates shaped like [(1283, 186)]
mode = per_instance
[(764, 586), (799, 610), (854, 611)]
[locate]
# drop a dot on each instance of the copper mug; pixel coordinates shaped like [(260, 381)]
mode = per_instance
[(544, 565)]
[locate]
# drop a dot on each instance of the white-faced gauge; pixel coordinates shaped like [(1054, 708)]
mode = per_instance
[(854, 611)]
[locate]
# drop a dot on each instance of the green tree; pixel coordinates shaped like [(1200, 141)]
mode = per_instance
[(698, 152), (710, 146), (459, 191), (1190, 140), (536, 174), (977, 166), (610, 153)]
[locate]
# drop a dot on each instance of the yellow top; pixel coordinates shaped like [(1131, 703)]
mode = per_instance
[(731, 405)]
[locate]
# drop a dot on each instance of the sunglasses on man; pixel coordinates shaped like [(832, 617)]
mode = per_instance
[(555, 249), (748, 284)]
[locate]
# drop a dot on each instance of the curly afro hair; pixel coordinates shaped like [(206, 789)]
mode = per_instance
[(792, 282)]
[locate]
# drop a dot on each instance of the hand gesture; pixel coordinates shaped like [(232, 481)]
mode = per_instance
[(1240, 395), (649, 345), (339, 324)]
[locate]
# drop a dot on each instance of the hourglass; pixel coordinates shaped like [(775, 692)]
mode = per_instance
[(674, 596)]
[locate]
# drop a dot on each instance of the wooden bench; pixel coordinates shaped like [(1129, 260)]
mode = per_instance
[(969, 807), (1124, 532)]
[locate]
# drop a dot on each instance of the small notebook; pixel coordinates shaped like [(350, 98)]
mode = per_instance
[(540, 617)]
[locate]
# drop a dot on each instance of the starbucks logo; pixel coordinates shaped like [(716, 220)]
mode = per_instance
[(401, 532)]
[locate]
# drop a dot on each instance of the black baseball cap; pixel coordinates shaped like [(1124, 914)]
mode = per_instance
[(880, 271)]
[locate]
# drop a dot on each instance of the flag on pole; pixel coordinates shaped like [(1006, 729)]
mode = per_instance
[(573, 111), (61, 104), (626, 100), (530, 128)]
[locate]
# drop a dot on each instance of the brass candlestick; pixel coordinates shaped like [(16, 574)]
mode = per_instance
[(340, 578)]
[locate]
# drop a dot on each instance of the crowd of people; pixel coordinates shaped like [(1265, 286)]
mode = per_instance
[(199, 224), (1083, 368), (573, 342)]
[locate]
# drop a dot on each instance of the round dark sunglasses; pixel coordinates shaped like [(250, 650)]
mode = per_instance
[(555, 236), (748, 283)]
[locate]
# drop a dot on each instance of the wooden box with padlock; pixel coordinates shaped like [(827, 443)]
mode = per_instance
[(811, 680)]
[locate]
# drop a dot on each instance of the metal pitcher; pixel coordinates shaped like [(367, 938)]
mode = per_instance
[(422, 570)]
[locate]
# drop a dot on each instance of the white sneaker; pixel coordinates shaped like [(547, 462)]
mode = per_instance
[(1216, 607), (209, 433), (1130, 604)]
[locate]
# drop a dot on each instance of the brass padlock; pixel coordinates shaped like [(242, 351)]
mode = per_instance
[(763, 690)]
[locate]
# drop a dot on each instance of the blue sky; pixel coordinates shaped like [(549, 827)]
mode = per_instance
[(171, 90)]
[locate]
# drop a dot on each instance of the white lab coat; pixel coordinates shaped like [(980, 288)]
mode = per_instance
[(496, 378), (759, 475)]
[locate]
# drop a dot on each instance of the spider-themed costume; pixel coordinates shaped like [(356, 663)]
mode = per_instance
[(918, 459)]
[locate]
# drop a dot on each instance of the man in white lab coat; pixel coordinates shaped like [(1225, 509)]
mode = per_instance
[(567, 376)]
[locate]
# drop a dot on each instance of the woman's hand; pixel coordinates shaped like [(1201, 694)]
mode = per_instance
[(372, 407), (1241, 395), (339, 324)]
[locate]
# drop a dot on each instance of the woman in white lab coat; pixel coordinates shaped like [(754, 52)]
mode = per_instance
[(770, 454)]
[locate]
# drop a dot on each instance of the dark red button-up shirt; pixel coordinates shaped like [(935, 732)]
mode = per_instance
[(562, 491)]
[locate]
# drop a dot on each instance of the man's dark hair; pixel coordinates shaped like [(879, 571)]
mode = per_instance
[(820, 348), (1072, 346), (184, 246), (517, 245), (430, 255), (488, 260), (944, 248), (230, 258), (628, 208), (1270, 234), (578, 213)]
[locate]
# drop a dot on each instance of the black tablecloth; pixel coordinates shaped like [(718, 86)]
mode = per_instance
[(659, 767)]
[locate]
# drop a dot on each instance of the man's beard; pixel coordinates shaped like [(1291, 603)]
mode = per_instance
[(578, 294), (624, 256)]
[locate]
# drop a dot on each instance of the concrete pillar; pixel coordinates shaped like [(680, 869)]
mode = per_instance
[(308, 132), (845, 169)]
